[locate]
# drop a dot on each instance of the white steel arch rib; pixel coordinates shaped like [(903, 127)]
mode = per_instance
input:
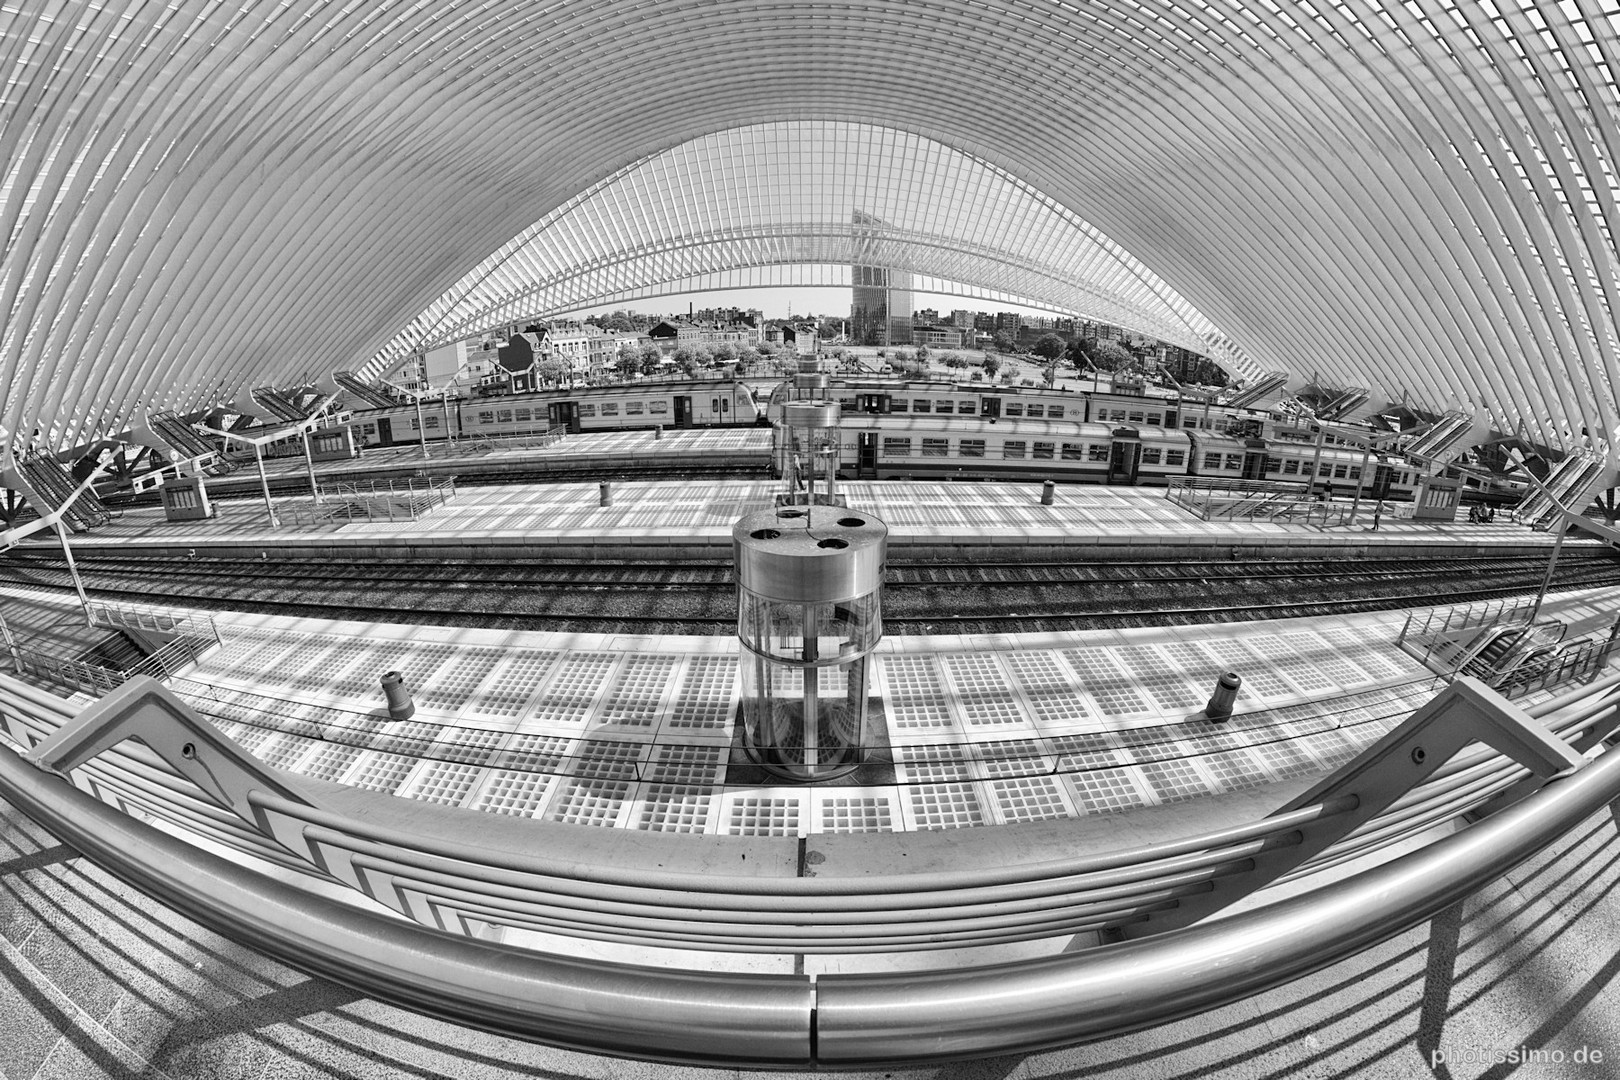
[(198, 197), (791, 194)]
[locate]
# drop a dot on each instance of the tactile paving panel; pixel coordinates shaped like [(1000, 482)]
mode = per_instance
[(474, 746), (840, 813), (637, 694), (1030, 798), (535, 753), (1327, 658), (334, 676), (1373, 648), (684, 764), (607, 759), (675, 808), (945, 806), (983, 690), (705, 697), (1108, 687), (1258, 678), (513, 791), (1303, 672), (331, 761), (514, 684), (446, 782), (1048, 688), (589, 802), (1170, 688), (452, 686), (238, 648), (573, 689), (419, 674), (1012, 757), (1284, 760), (931, 763), (285, 751), (1091, 751), (382, 772), (762, 815), (916, 696), (1173, 780)]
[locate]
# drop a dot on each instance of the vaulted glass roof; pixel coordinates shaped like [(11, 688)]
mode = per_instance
[(200, 197), (756, 202)]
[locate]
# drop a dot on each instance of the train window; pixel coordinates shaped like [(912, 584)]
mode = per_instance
[(1054, 412), (432, 421), (1134, 417), (1212, 461), (1234, 462), (522, 416), (1177, 458), (1189, 421), (1152, 455), (610, 408), (487, 416), (1097, 452), (504, 416), (1117, 416), (944, 406), (936, 447), (922, 406), (413, 425), (587, 409), (1290, 467), (896, 447), (1340, 471), (1012, 449), (897, 405), (1272, 465), (968, 408), (1073, 451), (369, 429), (1355, 473), (1326, 469), (714, 405), (1042, 450), (1036, 410), (1013, 408), (658, 407), (972, 448), (632, 408), (1155, 419)]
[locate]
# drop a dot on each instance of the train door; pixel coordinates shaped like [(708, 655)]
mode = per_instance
[(990, 407), (1254, 465), (1124, 458), (872, 403), (683, 410), (564, 414), (385, 431), (867, 463)]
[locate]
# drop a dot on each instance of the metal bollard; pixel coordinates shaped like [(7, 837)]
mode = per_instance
[(1220, 702), (658, 432), (604, 494), (400, 705), (1047, 490)]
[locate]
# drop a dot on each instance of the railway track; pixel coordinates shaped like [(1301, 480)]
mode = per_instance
[(700, 599)]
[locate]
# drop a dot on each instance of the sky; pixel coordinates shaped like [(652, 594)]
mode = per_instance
[(779, 303)]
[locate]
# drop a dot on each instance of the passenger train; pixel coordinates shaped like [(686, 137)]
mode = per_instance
[(677, 404), (891, 429)]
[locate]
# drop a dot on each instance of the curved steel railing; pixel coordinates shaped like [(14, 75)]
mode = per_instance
[(843, 1020)]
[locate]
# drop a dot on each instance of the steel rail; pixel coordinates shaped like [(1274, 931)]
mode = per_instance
[(857, 1020), (915, 1017)]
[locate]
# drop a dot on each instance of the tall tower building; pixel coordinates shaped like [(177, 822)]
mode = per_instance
[(881, 304)]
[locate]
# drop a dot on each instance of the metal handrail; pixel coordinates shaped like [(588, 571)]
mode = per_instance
[(857, 1020)]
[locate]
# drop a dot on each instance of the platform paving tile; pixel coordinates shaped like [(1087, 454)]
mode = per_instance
[(990, 513)]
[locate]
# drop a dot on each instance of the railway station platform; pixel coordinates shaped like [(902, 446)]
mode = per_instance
[(692, 520), (638, 732)]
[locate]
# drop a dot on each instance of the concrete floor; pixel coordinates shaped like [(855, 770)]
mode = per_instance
[(97, 981)]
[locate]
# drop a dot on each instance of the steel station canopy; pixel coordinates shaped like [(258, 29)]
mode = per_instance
[(201, 197)]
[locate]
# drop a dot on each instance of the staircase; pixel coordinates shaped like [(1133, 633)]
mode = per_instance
[(184, 438), (1442, 440), (372, 395), (1265, 388), (1342, 402), (277, 404)]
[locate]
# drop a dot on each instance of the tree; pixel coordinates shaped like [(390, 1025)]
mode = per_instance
[(629, 362), (954, 360), (748, 358), (1049, 347), (651, 357), (552, 370), (722, 352), (1050, 374), (922, 354), (1112, 356), (1003, 341), (620, 320), (992, 364)]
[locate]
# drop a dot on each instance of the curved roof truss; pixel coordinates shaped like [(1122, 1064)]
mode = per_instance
[(200, 197)]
